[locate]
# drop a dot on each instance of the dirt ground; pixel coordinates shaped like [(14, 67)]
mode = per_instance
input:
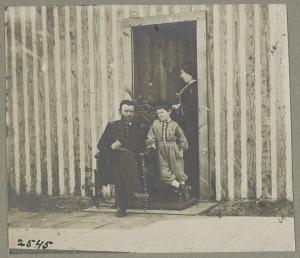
[(237, 208), (252, 208)]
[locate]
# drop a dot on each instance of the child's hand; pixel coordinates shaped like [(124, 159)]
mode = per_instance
[(180, 153), (176, 106)]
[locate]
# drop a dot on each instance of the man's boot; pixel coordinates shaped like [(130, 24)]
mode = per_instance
[(120, 212)]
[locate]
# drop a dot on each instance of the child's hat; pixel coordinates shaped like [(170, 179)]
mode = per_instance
[(163, 104)]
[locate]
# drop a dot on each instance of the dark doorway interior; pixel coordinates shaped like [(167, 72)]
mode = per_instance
[(159, 50)]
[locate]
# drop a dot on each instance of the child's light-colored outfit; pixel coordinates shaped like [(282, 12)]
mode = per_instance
[(168, 138)]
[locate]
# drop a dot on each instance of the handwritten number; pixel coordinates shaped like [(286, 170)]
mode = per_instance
[(45, 246), (29, 243), (20, 242), (39, 243)]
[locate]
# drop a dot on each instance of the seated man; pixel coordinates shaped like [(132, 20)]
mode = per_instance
[(120, 144)]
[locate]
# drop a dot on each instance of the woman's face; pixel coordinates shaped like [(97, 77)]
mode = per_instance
[(185, 76)]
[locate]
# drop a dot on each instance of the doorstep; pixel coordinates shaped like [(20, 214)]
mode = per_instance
[(193, 210)]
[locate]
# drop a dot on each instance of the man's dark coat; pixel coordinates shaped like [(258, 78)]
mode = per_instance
[(113, 165)]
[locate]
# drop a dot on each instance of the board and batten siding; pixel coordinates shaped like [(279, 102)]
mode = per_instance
[(65, 78)]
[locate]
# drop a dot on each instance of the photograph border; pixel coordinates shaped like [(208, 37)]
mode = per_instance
[(293, 9)]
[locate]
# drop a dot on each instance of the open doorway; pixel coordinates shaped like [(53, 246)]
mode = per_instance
[(159, 50), (154, 47)]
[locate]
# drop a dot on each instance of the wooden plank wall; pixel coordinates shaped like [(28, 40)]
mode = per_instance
[(64, 81)]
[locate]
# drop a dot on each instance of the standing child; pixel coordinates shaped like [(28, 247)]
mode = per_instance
[(168, 139)]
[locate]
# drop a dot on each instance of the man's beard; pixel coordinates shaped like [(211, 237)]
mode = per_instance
[(127, 118)]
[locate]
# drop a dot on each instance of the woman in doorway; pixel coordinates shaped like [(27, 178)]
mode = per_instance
[(186, 112)]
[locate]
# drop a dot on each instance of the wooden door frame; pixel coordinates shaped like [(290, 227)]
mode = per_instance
[(127, 78)]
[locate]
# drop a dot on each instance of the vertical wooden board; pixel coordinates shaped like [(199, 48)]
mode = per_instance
[(165, 9), (151, 80), (280, 106), (184, 52), (46, 74), (250, 96), (132, 12), (177, 9), (142, 11), (216, 38), (98, 71), (86, 90), (223, 102), (161, 69), (286, 82), (273, 47), (171, 9), (210, 99), (159, 9), (41, 101), (109, 62), (152, 10), (92, 88), (258, 101), (170, 67), (229, 98), (75, 97), (23, 14), (103, 63), (59, 110), (38, 185), (52, 103), (10, 165), (137, 45), (158, 70), (15, 99), (237, 105), (30, 106), (265, 106), (20, 100), (79, 62), (115, 59), (202, 109), (71, 182), (128, 71), (120, 16), (242, 64), (64, 98), (146, 10)]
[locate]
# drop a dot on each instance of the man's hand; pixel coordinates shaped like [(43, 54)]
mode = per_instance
[(116, 145), (150, 147), (150, 151)]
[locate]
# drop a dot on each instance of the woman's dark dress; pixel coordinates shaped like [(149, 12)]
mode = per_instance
[(187, 117)]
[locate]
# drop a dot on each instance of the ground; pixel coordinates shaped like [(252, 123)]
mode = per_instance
[(237, 208), (148, 233), (252, 208), (63, 222)]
